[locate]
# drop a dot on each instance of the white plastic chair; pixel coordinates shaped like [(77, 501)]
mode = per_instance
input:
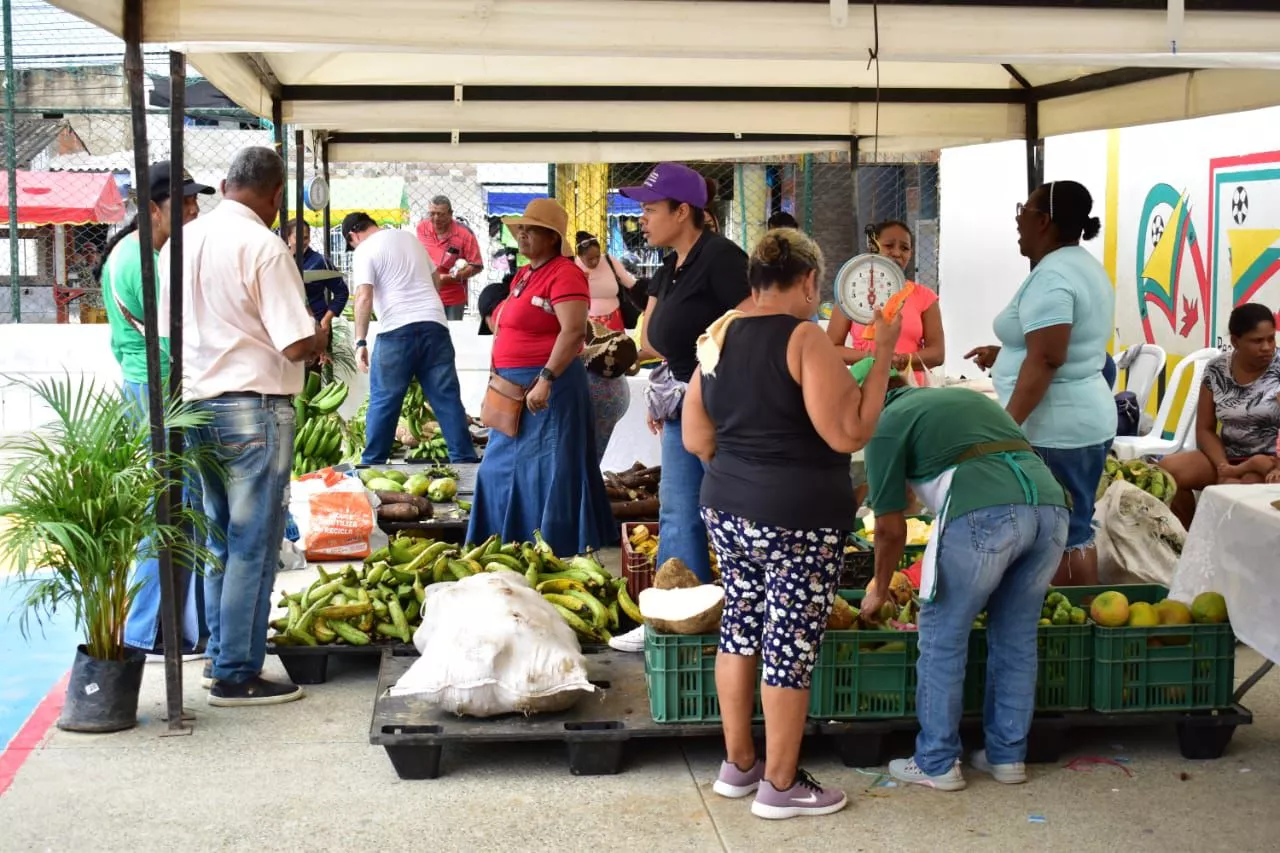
[(1154, 442), (1140, 378)]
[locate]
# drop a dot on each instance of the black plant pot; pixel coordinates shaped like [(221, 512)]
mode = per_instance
[(102, 695)]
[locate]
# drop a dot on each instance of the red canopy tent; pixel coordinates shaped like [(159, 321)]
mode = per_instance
[(63, 198)]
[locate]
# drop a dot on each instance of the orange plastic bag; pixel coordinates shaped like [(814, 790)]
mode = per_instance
[(890, 310), (334, 516)]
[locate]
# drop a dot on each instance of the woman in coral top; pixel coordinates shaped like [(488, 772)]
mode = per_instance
[(921, 345)]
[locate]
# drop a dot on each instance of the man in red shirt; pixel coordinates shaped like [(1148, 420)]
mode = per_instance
[(448, 241)]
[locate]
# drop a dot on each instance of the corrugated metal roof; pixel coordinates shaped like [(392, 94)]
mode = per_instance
[(32, 136)]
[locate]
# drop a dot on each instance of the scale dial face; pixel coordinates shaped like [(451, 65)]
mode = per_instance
[(865, 283), (316, 193)]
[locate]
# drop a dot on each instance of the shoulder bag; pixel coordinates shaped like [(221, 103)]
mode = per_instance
[(503, 402), (631, 313)]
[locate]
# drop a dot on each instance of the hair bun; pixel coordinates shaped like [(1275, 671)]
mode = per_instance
[(1092, 226)]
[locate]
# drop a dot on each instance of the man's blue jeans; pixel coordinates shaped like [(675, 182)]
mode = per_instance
[(682, 532), (252, 438), (424, 350), (142, 628), (1001, 558)]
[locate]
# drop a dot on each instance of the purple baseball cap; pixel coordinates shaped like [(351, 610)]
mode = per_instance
[(674, 181)]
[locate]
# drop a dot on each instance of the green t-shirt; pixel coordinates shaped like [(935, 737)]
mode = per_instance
[(122, 286), (921, 433)]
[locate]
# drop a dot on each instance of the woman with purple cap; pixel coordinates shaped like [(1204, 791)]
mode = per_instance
[(703, 276)]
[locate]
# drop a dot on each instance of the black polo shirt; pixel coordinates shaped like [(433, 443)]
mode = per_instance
[(712, 279)]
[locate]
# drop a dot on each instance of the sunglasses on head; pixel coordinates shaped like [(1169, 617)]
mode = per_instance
[(590, 241)]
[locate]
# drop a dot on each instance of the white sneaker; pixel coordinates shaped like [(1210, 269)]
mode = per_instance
[(1005, 774), (153, 658), (906, 770), (632, 641)]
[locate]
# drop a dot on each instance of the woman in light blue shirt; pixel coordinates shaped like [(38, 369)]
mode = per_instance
[(1053, 345)]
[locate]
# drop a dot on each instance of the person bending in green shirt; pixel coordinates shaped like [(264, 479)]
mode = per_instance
[(999, 532), (121, 280)]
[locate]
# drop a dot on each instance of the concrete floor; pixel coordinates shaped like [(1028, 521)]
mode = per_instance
[(304, 776)]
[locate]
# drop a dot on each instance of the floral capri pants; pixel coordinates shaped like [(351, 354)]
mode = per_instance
[(779, 585)]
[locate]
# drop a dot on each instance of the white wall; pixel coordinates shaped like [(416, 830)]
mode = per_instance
[(1209, 160), (40, 351)]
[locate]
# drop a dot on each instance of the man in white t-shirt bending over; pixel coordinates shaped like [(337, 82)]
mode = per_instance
[(392, 274)]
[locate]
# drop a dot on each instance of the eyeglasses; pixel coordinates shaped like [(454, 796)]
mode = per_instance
[(1021, 207)]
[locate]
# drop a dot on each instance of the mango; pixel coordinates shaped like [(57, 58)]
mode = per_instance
[(1142, 615), (1173, 612), (1209, 608), (395, 476), (1110, 609)]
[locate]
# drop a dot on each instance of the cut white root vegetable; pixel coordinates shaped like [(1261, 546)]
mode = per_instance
[(695, 610)]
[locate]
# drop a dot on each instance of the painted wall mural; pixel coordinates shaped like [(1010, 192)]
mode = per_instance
[(1198, 256)]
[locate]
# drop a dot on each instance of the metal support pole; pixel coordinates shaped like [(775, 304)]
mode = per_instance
[(134, 72), (806, 223), (11, 164), (858, 240), (1035, 148), (300, 156), (325, 218), (277, 122)]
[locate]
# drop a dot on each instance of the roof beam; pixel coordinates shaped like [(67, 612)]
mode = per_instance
[(662, 94)]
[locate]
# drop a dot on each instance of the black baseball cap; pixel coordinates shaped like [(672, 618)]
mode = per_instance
[(357, 221), (159, 173)]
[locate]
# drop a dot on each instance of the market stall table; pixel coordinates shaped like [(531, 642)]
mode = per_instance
[(1231, 549)]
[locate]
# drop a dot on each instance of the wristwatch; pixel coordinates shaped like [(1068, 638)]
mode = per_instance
[(545, 373), (361, 343)]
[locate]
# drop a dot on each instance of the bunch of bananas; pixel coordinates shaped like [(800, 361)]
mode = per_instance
[(644, 542), (1152, 479), (318, 444), (318, 430), (433, 449), (353, 445)]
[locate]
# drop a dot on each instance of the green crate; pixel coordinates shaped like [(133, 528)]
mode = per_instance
[(910, 553), (852, 681), (1191, 668), (681, 672), (1065, 655)]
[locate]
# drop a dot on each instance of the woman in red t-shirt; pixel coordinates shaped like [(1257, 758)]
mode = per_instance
[(546, 478)]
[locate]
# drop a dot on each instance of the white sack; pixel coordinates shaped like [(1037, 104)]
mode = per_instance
[(1139, 539), (492, 645)]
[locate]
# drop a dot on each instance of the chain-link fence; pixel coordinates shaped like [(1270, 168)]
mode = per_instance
[(69, 157)]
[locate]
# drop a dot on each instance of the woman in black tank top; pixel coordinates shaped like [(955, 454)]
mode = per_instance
[(774, 414)]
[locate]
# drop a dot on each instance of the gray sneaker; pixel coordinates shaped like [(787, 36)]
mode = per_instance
[(906, 770), (734, 783), (805, 798), (1014, 773)]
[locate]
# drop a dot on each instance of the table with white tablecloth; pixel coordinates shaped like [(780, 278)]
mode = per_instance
[(1232, 548)]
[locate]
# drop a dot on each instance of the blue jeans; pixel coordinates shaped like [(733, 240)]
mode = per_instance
[(1001, 558), (142, 627), (424, 350), (252, 438), (1078, 469), (682, 533)]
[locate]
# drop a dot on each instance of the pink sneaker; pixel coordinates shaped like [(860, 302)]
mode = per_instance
[(734, 783), (805, 798)]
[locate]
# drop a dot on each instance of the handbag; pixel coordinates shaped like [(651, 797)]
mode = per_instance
[(631, 313), (503, 404), (609, 353)]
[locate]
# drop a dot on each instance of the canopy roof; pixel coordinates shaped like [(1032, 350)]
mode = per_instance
[(621, 80), (63, 198)]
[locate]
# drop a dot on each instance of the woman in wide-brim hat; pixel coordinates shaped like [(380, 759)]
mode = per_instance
[(547, 477)]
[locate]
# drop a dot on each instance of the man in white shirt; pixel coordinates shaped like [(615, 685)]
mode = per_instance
[(393, 275), (246, 336)]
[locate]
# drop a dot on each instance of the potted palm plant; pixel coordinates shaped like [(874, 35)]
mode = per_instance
[(79, 497)]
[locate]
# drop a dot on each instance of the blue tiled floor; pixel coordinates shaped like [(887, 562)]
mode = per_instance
[(29, 666)]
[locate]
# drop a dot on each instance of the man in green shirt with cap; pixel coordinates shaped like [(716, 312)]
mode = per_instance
[(121, 279), (999, 531)]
